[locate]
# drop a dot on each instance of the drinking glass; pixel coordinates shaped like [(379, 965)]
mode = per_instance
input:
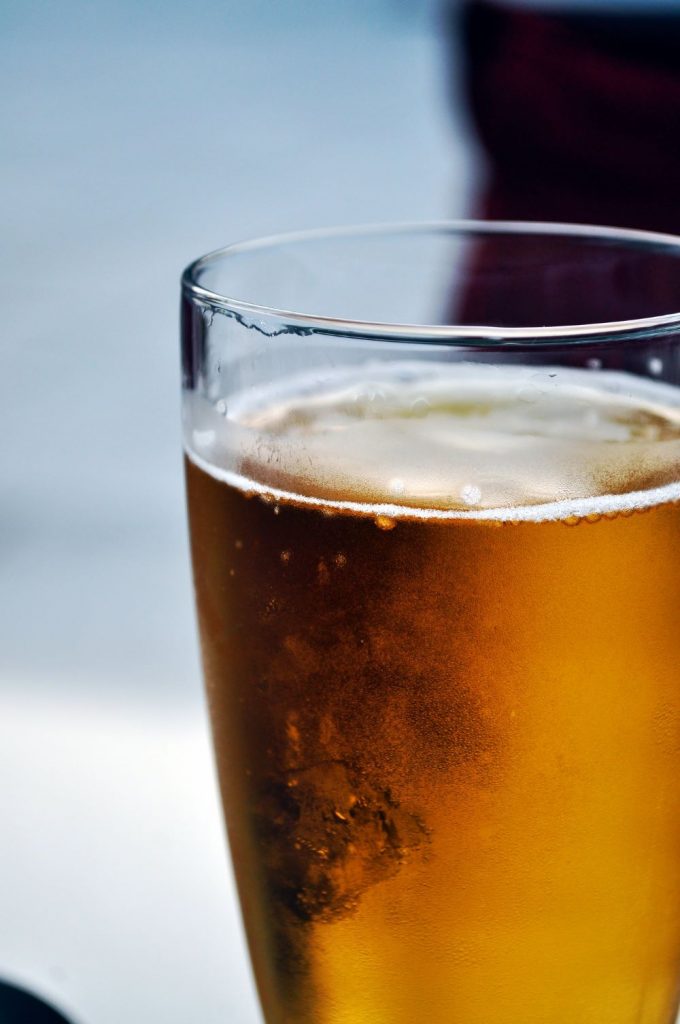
[(433, 476)]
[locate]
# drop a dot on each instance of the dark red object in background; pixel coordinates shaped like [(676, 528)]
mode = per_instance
[(579, 114), (579, 117)]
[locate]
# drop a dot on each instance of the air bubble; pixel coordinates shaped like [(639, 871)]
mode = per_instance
[(204, 438), (594, 363), (471, 494), (286, 557), (371, 394), (420, 407), (277, 510), (340, 560), (238, 544), (655, 366), (385, 523), (529, 393), (221, 407)]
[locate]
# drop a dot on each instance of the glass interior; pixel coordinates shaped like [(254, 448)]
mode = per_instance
[(496, 275)]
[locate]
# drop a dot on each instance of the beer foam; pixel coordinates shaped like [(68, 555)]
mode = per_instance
[(447, 441), (565, 509)]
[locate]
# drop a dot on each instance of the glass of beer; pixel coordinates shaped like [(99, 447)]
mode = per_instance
[(433, 481)]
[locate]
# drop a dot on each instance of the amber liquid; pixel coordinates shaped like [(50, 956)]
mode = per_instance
[(448, 752)]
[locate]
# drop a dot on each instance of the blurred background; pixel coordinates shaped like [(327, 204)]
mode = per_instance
[(138, 135)]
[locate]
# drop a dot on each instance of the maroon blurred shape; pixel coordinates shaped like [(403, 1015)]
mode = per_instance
[(578, 114)]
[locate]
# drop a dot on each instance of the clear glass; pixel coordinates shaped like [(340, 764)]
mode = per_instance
[(433, 476)]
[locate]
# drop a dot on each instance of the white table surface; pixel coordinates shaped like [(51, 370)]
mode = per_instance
[(135, 137)]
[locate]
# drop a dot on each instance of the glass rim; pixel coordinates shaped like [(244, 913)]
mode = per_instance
[(493, 334)]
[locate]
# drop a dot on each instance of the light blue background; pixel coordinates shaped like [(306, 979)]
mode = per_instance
[(135, 137)]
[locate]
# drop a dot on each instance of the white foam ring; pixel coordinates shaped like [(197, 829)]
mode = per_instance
[(553, 511)]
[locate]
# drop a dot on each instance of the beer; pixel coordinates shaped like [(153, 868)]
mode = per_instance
[(439, 621)]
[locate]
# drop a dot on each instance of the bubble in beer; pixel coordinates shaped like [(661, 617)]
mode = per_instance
[(204, 439), (655, 366), (286, 557), (471, 494), (420, 407), (529, 393)]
